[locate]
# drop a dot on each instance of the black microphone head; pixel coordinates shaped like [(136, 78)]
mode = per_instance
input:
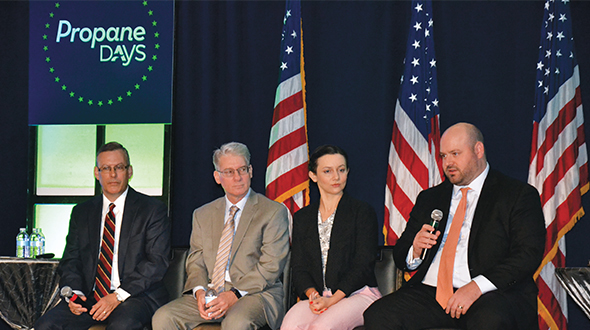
[(66, 291)]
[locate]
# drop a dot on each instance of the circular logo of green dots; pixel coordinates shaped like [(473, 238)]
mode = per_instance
[(110, 100)]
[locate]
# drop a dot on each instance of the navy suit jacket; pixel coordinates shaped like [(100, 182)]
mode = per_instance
[(353, 248), (144, 246), (507, 237)]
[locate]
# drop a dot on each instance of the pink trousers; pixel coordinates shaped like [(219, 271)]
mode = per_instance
[(344, 315)]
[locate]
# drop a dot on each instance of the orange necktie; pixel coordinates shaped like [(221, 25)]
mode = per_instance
[(444, 285)]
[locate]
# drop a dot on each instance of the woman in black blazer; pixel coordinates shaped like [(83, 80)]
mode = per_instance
[(334, 247)]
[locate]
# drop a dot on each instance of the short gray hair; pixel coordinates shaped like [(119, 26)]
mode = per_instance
[(231, 148), (112, 146)]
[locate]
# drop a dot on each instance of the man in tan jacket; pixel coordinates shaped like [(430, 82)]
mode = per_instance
[(250, 293)]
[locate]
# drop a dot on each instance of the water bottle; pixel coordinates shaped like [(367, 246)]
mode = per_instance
[(210, 294), (42, 240), (35, 243), (22, 244)]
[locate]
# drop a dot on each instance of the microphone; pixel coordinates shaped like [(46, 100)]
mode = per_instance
[(436, 216), (67, 292)]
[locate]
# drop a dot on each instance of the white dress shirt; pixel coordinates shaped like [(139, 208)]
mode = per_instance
[(118, 210)]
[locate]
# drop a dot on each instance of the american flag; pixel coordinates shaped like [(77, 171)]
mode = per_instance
[(558, 167), (414, 161), (287, 180)]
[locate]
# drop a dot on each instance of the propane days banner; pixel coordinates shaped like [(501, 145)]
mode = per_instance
[(100, 62)]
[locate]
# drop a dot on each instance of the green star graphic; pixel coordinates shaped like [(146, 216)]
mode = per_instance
[(100, 103), (155, 57), (90, 102), (51, 70), (157, 35), (57, 5), (150, 68), (154, 23), (136, 86), (47, 59), (110, 102), (80, 99), (47, 25), (157, 46), (145, 3), (63, 87), (129, 93), (51, 15), (119, 98), (151, 13), (144, 78), (44, 37), (72, 94), (45, 48), (57, 79)]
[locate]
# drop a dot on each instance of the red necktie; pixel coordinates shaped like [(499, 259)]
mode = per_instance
[(102, 282), (444, 285)]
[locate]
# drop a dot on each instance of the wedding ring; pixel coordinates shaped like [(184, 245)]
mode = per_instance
[(460, 307), (104, 312)]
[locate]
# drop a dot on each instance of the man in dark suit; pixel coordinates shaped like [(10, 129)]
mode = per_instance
[(137, 255), (499, 247)]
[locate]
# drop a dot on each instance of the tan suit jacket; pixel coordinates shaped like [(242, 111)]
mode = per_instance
[(258, 254)]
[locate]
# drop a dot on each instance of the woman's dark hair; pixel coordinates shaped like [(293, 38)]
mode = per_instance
[(327, 149)]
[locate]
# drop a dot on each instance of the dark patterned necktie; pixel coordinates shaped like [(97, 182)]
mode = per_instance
[(102, 282)]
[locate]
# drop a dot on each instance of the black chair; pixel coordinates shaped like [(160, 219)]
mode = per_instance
[(389, 278)]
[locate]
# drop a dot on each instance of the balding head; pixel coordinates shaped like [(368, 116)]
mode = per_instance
[(463, 153)]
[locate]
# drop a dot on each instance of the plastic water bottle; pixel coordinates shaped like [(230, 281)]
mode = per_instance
[(36, 245), (22, 244), (210, 294), (42, 240)]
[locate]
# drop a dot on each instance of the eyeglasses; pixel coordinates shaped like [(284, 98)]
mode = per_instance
[(118, 168), (230, 172)]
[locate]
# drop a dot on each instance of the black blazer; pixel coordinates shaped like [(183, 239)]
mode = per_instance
[(144, 246), (507, 235), (353, 248)]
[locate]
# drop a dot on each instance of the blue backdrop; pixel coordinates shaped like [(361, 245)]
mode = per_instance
[(227, 67)]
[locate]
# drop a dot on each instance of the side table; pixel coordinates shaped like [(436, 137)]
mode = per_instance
[(28, 289)]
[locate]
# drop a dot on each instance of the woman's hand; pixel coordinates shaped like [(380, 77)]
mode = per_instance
[(321, 304)]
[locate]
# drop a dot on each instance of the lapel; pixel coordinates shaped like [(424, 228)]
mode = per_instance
[(484, 205), (443, 203), (216, 226), (341, 219), (314, 236), (129, 217), (94, 227), (342, 223), (248, 213)]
